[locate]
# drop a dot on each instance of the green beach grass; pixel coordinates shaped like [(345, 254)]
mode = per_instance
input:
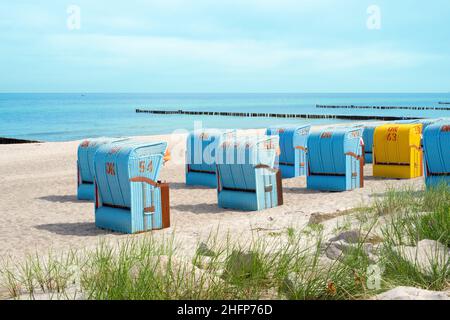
[(277, 267)]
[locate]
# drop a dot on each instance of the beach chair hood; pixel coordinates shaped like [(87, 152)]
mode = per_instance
[(293, 147), (85, 164), (201, 148), (247, 176), (128, 193), (335, 159)]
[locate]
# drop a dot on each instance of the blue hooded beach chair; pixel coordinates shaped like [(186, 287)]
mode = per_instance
[(200, 156), (292, 159), (85, 165), (128, 196), (335, 159), (247, 177), (436, 141)]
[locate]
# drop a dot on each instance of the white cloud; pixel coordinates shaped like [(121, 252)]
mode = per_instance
[(27, 16), (241, 55), (122, 23)]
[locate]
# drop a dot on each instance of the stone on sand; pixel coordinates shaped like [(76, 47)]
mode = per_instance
[(338, 249), (352, 236), (410, 293)]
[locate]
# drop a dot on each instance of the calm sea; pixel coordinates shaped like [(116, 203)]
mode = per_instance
[(62, 117)]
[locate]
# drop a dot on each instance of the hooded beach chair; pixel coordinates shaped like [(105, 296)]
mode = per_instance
[(436, 141), (397, 151), (128, 196), (292, 159), (369, 130), (85, 165), (200, 156), (335, 159), (247, 177)]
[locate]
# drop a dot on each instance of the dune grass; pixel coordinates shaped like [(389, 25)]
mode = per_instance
[(414, 216), (284, 267), (230, 271), (147, 269)]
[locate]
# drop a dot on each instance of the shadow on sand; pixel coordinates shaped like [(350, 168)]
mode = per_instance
[(202, 208), (181, 185), (81, 229), (62, 199), (301, 190)]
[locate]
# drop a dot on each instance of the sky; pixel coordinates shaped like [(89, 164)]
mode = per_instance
[(225, 46)]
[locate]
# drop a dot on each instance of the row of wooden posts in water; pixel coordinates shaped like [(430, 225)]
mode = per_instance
[(274, 115), (383, 107)]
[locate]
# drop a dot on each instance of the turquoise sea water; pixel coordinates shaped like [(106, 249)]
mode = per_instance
[(62, 117)]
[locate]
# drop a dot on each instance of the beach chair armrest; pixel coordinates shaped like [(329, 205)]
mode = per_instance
[(149, 210), (354, 155), (302, 148), (265, 166), (144, 180)]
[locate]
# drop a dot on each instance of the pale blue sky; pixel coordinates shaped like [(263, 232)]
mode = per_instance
[(225, 46)]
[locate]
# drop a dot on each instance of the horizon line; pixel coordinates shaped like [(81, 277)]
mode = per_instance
[(225, 92)]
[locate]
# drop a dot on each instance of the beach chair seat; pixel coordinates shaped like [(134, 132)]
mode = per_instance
[(200, 156), (128, 196), (436, 142), (335, 159), (292, 159), (85, 165), (247, 177), (398, 151)]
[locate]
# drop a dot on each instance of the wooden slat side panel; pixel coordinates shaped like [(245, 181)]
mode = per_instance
[(279, 188), (165, 205)]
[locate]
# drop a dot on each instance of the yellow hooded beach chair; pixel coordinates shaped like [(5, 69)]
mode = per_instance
[(397, 151)]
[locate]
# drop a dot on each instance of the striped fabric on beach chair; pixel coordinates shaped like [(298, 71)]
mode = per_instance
[(292, 159), (128, 196), (335, 159), (85, 165), (200, 156), (436, 142), (247, 177)]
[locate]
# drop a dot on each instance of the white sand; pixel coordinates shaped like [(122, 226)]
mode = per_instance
[(39, 209)]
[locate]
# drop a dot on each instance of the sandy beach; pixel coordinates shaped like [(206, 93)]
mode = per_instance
[(39, 210)]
